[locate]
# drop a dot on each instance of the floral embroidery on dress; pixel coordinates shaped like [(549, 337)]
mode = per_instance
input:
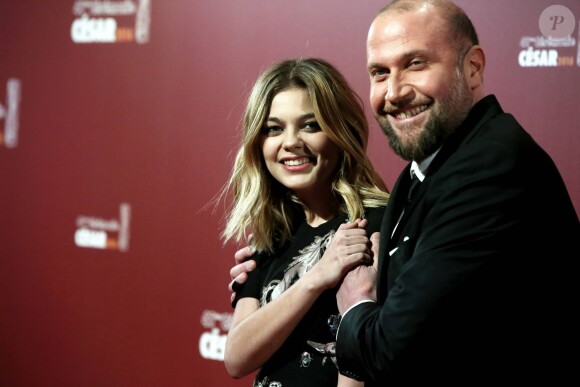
[(305, 359), (307, 257), (328, 349), (266, 383), (333, 323)]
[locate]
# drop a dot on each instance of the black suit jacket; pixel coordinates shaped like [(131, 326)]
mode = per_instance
[(479, 285)]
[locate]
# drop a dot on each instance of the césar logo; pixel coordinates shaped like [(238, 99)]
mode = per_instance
[(10, 113), (212, 344), (104, 21), (100, 233)]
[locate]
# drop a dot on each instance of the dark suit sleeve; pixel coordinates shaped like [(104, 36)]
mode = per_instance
[(375, 217), (468, 289), (253, 285), (351, 334)]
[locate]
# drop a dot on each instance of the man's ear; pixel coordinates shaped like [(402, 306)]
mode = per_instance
[(473, 66)]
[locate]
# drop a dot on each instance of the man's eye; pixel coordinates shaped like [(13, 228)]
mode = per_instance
[(379, 75), (417, 63)]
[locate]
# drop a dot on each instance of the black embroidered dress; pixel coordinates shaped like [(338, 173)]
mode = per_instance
[(307, 357)]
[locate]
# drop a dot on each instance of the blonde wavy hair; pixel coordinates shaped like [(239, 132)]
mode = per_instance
[(262, 206)]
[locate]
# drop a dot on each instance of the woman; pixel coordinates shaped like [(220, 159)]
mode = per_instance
[(305, 189)]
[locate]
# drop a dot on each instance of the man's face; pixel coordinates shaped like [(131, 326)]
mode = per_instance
[(418, 91)]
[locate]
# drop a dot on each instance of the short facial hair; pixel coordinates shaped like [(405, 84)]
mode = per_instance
[(443, 120)]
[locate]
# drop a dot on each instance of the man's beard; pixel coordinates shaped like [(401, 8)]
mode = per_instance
[(444, 118)]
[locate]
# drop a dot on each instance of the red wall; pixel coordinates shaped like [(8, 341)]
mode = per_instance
[(111, 268)]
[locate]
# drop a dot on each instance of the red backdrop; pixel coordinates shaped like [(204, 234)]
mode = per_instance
[(118, 122)]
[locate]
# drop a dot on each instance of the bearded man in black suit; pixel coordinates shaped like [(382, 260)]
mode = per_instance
[(473, 277)]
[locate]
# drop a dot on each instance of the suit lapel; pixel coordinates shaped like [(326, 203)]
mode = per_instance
[(397, 201)]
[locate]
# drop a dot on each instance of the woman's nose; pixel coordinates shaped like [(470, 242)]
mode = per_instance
[(292, 138)]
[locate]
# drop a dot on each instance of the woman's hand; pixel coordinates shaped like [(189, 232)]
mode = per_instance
[(349, 247)]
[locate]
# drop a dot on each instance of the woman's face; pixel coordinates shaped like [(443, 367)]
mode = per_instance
[(298, 154)]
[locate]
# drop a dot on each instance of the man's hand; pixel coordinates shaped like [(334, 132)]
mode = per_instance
[(238, 273), (360, 283)]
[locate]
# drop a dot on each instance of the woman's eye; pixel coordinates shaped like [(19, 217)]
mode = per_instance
[(312, 126), (272, 130)]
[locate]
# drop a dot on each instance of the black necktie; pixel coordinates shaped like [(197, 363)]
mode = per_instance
[(413, 187)]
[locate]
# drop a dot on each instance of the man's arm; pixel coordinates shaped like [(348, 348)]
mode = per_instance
[(359, 285)]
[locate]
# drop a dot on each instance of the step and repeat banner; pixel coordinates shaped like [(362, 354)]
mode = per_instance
[(118, 125)]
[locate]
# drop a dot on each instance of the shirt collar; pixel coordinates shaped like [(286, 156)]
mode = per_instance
[(420, 169)]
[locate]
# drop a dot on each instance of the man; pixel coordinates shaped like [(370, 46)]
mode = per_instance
[(473, 283)]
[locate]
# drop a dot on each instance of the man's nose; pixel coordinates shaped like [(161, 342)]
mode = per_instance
[(398, 90)]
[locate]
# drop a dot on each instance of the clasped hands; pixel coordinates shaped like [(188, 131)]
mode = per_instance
[(350, 260)]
